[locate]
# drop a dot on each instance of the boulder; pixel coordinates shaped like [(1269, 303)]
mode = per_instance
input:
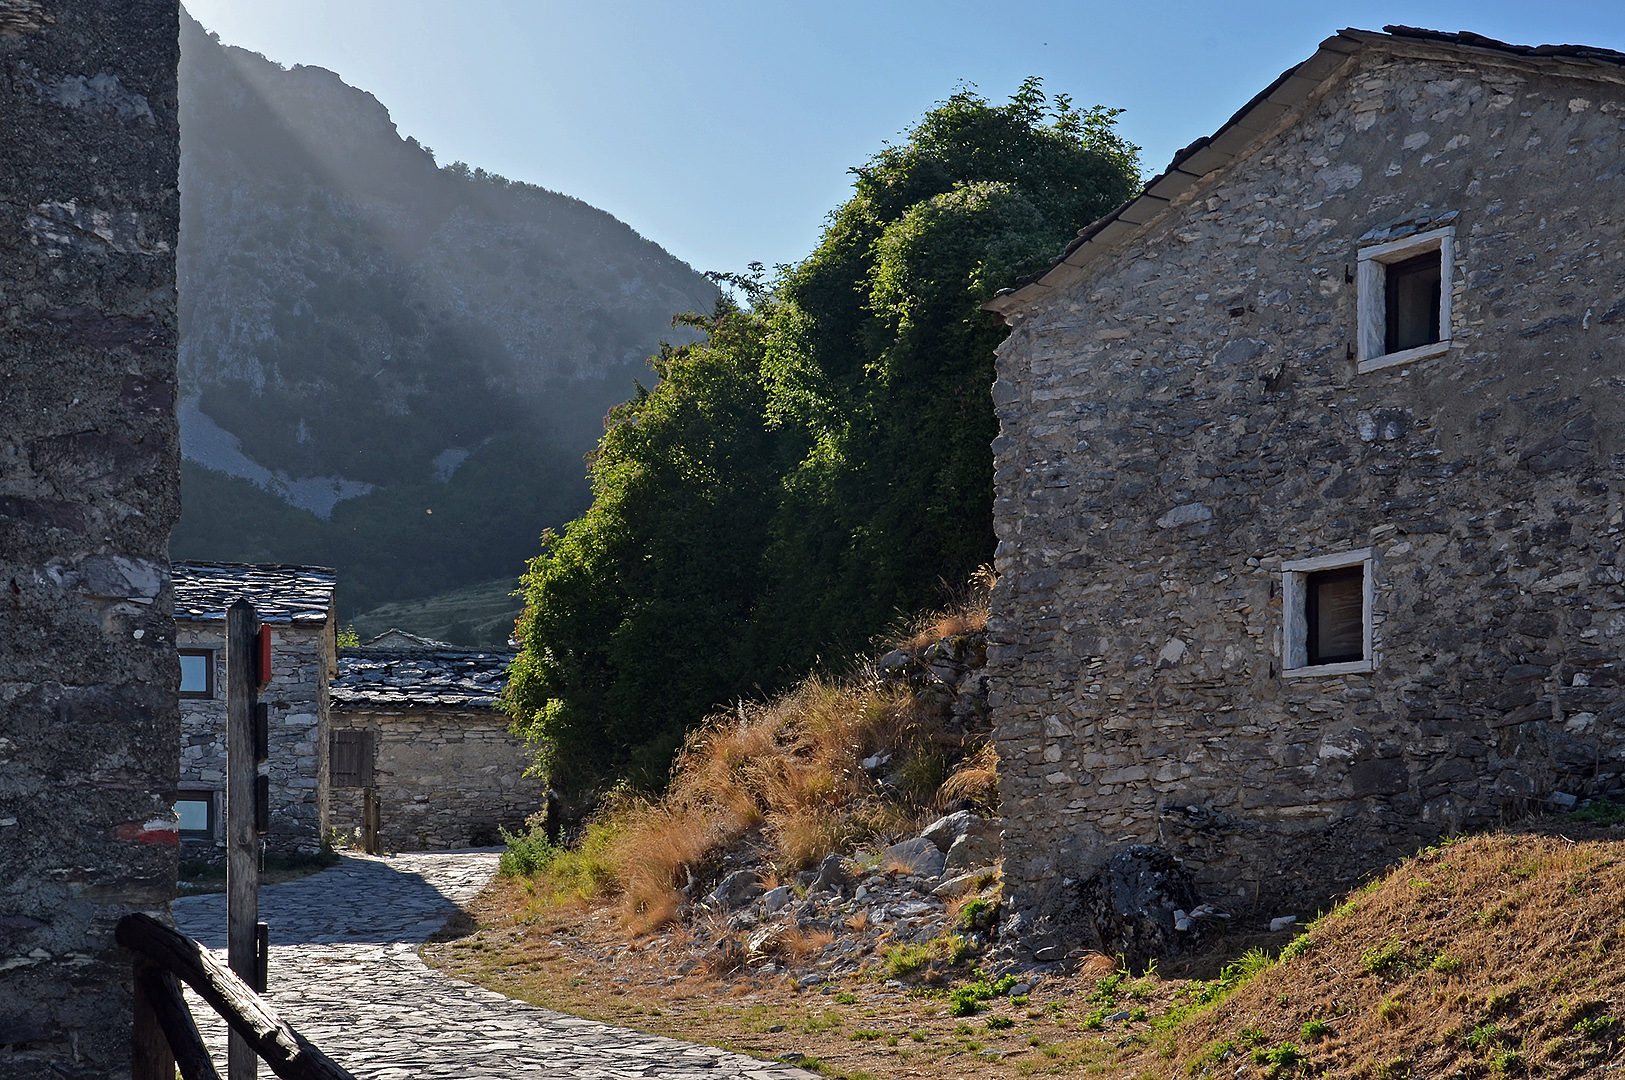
[(739, 887), (945, 830), (831, 877), (1135, 904), (919, 856), (776, 899), (972, 849)]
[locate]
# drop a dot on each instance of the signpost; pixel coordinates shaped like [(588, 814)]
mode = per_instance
[(247, 669)]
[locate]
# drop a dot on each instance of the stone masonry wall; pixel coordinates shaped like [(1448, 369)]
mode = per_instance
[(1188, 416), (89, 488), (443, 779), (297, 763)]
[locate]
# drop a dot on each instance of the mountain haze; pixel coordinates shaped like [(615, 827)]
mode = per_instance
[(387, 365)]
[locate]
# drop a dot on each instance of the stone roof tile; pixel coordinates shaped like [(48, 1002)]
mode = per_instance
[(419, 679), (280, 594)]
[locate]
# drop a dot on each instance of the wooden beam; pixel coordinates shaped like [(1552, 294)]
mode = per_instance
[(162, 993), (288, 1053), (150, 1058)]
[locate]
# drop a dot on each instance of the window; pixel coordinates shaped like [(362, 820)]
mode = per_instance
[(197, 673), (1404, 304), (1327, 607), (349, 760), (196, 813)]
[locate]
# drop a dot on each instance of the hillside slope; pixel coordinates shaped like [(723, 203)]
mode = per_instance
[(368, 339), (1494, 956)]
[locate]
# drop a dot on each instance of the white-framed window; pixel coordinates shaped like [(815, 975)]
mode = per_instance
[(1326, 603), (1404, 299)]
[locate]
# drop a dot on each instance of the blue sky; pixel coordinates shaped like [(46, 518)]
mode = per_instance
[(724, 131)]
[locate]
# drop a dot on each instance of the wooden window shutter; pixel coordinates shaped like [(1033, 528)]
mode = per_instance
[(349, 762)]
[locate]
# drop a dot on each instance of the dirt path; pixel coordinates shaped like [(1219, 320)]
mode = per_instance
[(345, 973)]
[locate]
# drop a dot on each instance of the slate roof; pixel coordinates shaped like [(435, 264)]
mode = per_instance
[(280, 594), (419, 679), (1257, 119), (395, 638)]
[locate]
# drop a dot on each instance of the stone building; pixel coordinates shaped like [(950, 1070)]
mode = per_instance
[(89, 489), (297, 603), (1308, 485), (422, 759)]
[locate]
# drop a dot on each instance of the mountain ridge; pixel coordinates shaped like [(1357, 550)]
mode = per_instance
[(366, 333)]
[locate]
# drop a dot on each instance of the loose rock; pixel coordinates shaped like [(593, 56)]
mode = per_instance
[(737, 888), (918, 856)]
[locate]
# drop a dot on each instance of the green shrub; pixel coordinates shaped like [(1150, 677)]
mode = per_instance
[(1298, 946), (1599, 1028), (966, 1000), (904, 960), (1283, 1057), (1390, 960), (1315, 1030), (527, 853)]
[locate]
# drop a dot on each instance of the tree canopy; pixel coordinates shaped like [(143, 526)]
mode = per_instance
[(818, 466)]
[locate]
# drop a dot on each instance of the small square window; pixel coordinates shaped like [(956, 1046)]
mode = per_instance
[(1412, 299), (197, 673), (1404, 299), (196, 813), (1327, 608), (1334, 605)]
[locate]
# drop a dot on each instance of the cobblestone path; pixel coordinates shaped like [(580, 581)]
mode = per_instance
[(345, 973)]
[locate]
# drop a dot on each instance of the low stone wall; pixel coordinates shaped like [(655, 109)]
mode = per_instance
[(443, 779)]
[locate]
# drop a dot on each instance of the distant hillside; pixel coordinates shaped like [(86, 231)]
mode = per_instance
[(478, 615), (387, 366)]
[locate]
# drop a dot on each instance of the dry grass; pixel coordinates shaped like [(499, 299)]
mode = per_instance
[(976, 778), (784, 777), (780, 783), (1494, 956), (965, 613)]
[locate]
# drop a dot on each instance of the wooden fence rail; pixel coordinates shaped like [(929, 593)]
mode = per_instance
[(168, 954)]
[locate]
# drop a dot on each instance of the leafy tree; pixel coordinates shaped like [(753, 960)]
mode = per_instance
[(820, 464), (882, 358)]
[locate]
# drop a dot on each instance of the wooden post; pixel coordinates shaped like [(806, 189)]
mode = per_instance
[(242, 839), (369, 820), (150, 1057), (183, 1045)]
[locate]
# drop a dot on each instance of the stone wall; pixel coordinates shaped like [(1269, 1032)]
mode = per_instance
[(443, 778), (1188, 415), (89, 489), (297, 761)]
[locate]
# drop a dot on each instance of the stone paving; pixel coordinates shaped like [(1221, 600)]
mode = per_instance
[(345, 973)]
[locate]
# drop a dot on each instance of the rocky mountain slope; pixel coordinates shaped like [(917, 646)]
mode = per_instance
[(387, 365)]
